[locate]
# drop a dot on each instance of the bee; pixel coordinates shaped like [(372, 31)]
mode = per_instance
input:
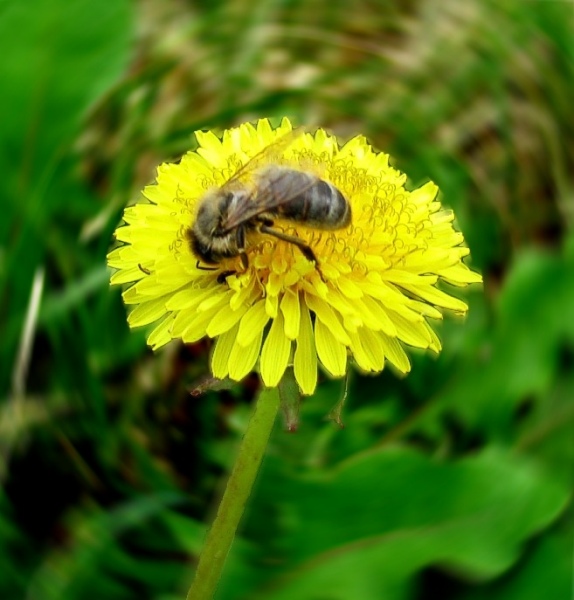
[(250, 202)]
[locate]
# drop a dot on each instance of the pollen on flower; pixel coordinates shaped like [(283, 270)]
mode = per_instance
[(371, 293)]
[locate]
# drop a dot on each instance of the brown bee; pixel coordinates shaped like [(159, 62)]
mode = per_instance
[(253, 198)]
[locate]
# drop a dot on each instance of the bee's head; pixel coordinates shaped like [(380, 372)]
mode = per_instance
[(212, 212), (207, 227)]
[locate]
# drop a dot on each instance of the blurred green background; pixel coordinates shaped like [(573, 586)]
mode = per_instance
[(451, 483)]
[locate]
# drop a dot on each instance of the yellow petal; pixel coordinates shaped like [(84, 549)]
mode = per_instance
[(381, 315), (435, 344), (415, 334), (395, 352), (292, 313), (213, 300), (373, 347), (208, 139), (401, 277), (181, 321), (460, 275), (305, 359), (222, 352), (363, 359), (252, 324), (349, 288), (245, 294), (264, 130), (425, 309), (197, 327), (186, 298), (271, 304), (223, 320), (243, 358), (126, 275), (425, 194), (436, 297), (331, 352), (147, 312), (327, 316), (161, 334), (275, 353)]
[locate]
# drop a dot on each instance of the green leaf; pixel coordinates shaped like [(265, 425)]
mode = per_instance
[(548, 567), (58, 58), (364, 529), (521, 358)]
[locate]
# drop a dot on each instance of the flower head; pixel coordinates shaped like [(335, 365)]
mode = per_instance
[(373, 289)]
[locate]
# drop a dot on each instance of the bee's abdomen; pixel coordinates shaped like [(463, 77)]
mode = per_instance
[(320, 204), (326, 206)]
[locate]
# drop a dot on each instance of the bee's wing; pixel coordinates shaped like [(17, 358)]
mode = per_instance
[(268, 195), (267, 155)]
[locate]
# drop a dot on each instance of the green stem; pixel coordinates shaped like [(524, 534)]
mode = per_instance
[(222, 532)]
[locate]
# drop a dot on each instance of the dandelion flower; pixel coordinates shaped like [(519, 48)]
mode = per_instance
[(373, 291)]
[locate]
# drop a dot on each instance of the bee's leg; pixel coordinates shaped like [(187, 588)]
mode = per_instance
[(222, 277), (241, 246), (225, 274), (291, 239), (204, 268)]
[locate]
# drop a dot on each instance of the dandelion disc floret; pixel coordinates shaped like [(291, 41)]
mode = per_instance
[(371, 291)]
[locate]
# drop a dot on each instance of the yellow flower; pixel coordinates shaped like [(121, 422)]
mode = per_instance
[(373, 290)]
